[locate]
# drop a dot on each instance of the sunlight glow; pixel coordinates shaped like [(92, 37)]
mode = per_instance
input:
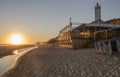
[(16, 39), (15, 52)]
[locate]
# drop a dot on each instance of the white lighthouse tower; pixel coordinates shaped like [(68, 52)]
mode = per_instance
[(97, 12)]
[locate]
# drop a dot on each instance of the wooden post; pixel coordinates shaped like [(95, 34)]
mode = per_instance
[(114, 22), (70, 24), (106, 34)]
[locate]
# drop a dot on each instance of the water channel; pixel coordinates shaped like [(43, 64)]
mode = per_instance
[(7, 61)]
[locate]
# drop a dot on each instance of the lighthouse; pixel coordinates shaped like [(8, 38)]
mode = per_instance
[(97, 12)]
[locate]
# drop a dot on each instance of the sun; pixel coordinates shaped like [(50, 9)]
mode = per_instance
[(16, 39)]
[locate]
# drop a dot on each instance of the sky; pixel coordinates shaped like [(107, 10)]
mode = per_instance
[(40, 20)]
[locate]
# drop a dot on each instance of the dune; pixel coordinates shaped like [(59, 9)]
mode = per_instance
[(51, 61)]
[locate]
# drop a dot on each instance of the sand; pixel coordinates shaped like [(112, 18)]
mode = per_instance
[(50, 61)]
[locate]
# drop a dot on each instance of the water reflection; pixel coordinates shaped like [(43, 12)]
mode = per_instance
[(7, 61), (15, 52)]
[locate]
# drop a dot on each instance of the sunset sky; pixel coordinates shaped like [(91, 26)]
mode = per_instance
[(40, 20)]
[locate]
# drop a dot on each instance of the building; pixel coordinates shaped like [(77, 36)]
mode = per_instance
[(85, 34), (97, 12), (113, 21)]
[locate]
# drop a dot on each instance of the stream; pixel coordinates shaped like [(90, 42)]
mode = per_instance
[(7, 61)]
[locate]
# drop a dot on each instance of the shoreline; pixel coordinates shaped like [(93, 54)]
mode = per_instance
[(48, 61), (7, 61), (8, 49)]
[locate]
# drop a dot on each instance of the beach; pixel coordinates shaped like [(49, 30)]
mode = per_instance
[(53, 61)]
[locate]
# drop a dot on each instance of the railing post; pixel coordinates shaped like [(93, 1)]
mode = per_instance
[(106, 34)]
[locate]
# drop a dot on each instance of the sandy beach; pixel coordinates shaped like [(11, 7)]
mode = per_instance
[(50, 61)]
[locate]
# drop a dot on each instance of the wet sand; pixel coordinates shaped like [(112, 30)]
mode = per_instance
[(50, 61)]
